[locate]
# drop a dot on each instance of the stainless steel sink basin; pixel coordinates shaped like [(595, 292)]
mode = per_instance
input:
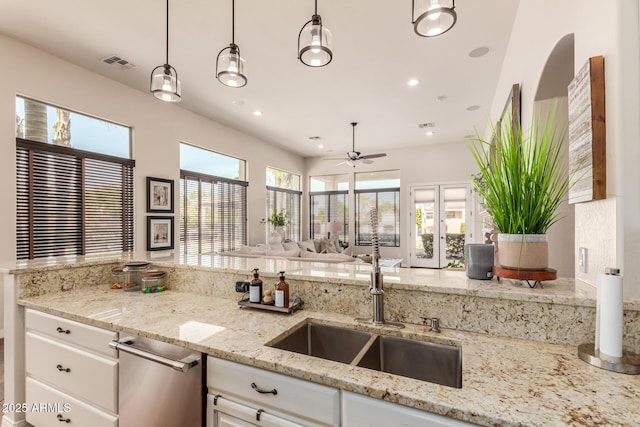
[(326, 342), (426, 361), (436, 363)]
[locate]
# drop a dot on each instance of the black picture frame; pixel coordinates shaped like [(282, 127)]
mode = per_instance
[(159, 195), (160, 233)]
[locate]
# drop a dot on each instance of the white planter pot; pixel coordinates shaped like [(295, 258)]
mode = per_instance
[(523, 251)]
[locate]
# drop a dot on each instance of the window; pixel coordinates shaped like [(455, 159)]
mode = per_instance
[(71, 201), (329, 201), (382, 191), (283, 193), (213, 209)]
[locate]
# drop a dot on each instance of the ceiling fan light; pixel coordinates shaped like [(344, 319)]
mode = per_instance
[(165, 84), (231, 68), (314, 43), (354, 162), (434, 17)]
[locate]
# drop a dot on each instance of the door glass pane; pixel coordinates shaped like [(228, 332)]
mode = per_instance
[(455, 213), (424, 207)]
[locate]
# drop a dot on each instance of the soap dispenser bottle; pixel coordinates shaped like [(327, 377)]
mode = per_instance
[(255, 288), (282, 292)]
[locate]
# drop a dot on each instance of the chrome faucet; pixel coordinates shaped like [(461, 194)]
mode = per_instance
[(376, 288)]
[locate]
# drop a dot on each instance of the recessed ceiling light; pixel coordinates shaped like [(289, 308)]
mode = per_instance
[(413, 82), (430, 133), (257, 113), (320, 146), (441, 98), (473, 107), (479, 51)]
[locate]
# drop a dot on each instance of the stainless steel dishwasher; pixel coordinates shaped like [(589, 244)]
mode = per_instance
[(160, 384)]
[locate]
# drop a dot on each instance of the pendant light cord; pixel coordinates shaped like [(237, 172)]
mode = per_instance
[(233, 21), (167, 44)]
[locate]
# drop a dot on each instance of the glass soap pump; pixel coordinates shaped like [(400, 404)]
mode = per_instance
[(255, 288)]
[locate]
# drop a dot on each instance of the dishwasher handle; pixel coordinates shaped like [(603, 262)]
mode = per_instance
[(182, 365)]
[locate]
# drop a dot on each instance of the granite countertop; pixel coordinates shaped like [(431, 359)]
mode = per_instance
[(506, 382)]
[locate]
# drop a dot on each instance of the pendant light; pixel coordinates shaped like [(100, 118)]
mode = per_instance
[(314, 42), (230, 67), (164, 78), (435, 17)]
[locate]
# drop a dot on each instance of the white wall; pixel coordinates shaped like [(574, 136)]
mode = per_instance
[(611, 31), (157, 130), (418, 165)]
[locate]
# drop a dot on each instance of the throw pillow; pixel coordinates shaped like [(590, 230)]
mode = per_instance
[(307, 246)]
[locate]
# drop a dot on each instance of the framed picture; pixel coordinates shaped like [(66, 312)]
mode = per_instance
[(159, 195), (159, 233)]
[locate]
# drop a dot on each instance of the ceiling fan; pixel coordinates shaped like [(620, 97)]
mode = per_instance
[(353, 157)]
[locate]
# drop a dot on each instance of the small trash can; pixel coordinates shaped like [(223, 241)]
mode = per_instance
[(478, 260)]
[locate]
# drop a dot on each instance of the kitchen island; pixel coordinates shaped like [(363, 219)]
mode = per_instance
[(507, 380)]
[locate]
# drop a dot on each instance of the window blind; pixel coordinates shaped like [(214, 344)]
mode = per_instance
[(213, 213), (387, 202), (71, 202), (328, 206)]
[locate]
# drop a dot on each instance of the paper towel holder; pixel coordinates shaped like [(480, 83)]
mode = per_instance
[(629, 363)]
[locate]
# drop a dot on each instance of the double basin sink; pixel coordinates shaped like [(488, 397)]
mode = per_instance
[(426, 361)]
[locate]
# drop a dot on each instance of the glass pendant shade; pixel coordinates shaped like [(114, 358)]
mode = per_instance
[(433, 17), (354, 162), (314, 43), (231, 69), (165, 84)]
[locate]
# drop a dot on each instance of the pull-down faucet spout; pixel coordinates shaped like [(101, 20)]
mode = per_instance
[(376, 286)]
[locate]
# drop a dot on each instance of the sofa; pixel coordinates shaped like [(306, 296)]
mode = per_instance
[(324, 250)]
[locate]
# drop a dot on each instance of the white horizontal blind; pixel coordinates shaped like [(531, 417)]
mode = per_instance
[(71, 202), (329, 206), (213, 213)]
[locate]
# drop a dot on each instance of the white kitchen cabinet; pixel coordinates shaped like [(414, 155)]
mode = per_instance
[(257, 397), (362, 411), (69, 362)]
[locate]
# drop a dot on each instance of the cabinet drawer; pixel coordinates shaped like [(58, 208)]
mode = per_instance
[(302, 399), (53, 407), (90, 377), (71, 332)]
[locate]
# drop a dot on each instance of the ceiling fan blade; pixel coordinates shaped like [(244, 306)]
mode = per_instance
[(333, 158), (341, 163), (373, 156)]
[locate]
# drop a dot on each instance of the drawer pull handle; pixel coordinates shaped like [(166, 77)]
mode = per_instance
[(258, 413), (63, 420), (63, 369), (259, 390), (63, 331)]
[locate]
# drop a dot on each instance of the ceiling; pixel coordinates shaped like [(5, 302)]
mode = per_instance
[(375, 53)]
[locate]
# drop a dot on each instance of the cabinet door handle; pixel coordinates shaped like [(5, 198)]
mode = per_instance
[(63, 331), (259, 390), (62, 419), (62, 369), (258, 413)]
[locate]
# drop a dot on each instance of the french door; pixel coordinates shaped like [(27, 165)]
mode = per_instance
[(440, 218)]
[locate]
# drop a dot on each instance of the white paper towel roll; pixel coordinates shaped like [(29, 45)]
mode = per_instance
[(609, 315)]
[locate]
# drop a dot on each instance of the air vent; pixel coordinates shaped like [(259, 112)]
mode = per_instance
[(426, 125), (116, 60)]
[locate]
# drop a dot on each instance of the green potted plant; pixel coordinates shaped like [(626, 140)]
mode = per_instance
[(523, 179), (278, 219)]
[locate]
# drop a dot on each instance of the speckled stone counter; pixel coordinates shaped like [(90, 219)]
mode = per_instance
[(506, 382), (562, 312)]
